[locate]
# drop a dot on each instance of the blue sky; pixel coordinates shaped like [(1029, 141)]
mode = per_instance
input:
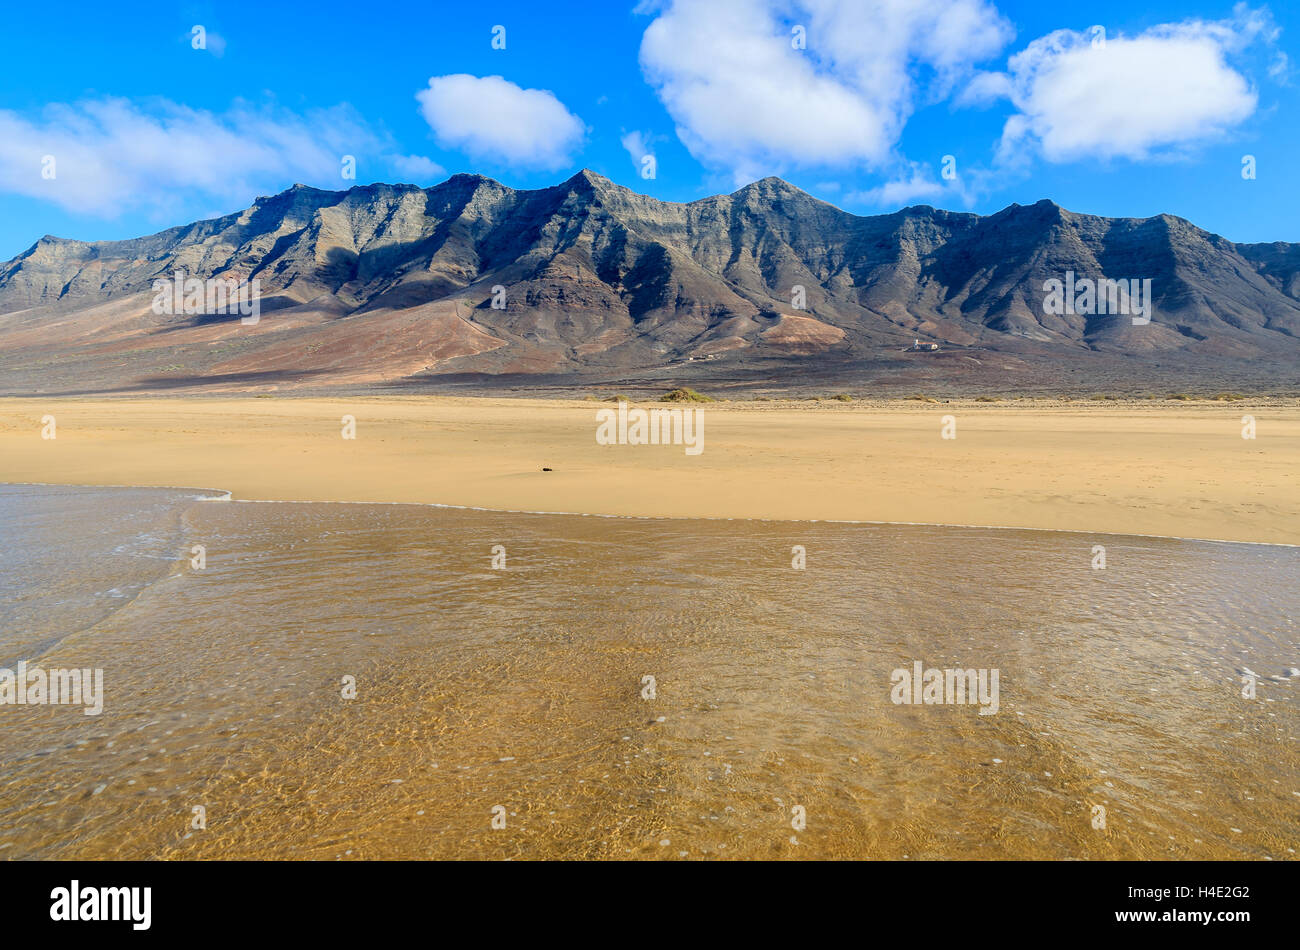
[(113, 125)]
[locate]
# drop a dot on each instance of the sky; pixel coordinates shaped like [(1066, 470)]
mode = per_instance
[(119, 120)]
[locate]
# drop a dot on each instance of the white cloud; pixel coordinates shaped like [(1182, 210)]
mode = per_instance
[(1131, 96), (745, 98), (113, 155), (636, 144), (918, 185), (1280, 68), (418, 167), (986, 88), (492, 119)]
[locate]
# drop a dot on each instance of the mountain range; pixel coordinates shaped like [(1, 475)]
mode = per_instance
[(588, 284)]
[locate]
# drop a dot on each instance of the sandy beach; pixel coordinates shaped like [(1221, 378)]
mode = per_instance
[(1160, 468), (517, 687)]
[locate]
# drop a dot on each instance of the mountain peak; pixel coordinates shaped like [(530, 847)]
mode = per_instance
[(587, 180), (468, 177), (772, 184), (296, 190), (605, 281), (1043, 209)]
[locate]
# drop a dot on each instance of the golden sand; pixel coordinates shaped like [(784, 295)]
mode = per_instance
[(1174, 469)]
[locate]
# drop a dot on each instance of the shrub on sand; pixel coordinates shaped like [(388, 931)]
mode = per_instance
[(684, 395)]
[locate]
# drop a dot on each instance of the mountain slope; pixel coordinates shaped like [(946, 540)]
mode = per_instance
[(588, 281)]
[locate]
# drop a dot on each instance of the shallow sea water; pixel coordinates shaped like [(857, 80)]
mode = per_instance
[(518, 692)]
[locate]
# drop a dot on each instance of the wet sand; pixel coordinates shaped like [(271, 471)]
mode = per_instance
[(771, 731), (1159, 468)]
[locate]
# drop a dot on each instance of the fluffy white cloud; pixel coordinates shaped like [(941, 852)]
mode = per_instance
[(1081, 95), (745, 97), (986, 88), (917, 182), (113, 155), (490, 118), (418, 167), (918, 185)]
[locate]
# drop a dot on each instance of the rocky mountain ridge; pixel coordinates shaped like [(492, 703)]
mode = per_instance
[(472, 282)]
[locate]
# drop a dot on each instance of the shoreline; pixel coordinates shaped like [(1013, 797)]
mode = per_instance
[(229, 497), (1140, 470)]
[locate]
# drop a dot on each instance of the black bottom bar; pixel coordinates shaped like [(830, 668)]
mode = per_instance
[(975, 900)]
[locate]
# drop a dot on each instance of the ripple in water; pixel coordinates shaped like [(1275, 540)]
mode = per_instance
[(770, 733)]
